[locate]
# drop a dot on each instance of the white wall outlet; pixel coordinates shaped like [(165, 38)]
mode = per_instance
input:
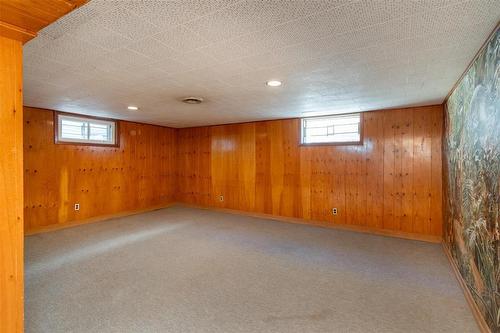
[(77, 206), (221, 198), (334, 211)]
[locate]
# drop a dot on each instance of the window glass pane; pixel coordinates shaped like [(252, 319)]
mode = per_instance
[(71, 129), (332, 129), (348, 128), (316, 131), (100, 132), (85, 130)]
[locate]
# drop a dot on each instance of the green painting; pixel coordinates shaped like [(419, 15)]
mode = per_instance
[(472, 157)]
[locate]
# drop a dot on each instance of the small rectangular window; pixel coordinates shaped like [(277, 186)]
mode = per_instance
[(85, 130), (336, 129)]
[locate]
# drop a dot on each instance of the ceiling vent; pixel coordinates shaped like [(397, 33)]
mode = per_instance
[(192, 100)]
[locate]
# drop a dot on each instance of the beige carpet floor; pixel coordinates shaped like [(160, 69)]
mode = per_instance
[(187, 270)]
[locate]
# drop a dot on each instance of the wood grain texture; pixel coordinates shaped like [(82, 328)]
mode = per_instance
[(137, 175), (22, 19), (391, 182), (11, 187)]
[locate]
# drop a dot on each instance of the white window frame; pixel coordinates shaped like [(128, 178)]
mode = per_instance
[(113, 127), (330, 129)]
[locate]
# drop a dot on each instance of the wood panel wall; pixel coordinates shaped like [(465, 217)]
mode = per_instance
[(11, 187), (392, 182), (138, 175), (22, 19)]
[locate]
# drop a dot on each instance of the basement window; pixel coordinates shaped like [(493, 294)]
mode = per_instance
[(344, 129), (93, 131)]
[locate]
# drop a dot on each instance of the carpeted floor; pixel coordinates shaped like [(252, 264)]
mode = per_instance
[(187, 270)]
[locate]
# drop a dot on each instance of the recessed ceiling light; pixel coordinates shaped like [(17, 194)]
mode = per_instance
[(273, 83), (133, 108)]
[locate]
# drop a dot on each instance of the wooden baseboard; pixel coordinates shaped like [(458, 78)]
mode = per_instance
[(481, 322), (362, 229), (58, 226), (348, 227)]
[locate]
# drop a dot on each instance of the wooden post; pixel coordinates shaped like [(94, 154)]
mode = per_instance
[(11, 186)]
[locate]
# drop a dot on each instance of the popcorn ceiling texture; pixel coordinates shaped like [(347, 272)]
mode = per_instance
[(333, 56)]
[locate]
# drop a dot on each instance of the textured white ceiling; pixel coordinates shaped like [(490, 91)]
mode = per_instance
[(332, 55)]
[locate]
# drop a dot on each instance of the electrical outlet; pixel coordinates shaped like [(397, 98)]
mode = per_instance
[(221, 198), (77, 206), (334, 211)]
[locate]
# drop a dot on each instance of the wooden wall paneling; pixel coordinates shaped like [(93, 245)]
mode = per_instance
[(141, 165), (305, 181), (383, 184), (199, 140), (339, 171), (290, 199), (373, 145), (317, 184), (407, 162), (182, 194), (11, 187), (263, 188), (220, 145), (277, 166), (131, 135), (170, 166), (193, 172), (194, 183), (116, 178), (258, 167), (361, 193), (246, 166), (428, 172), (194, 145), (390, 198), (350, 159), (419, 177), (332, 191), (103, 180), (148, 149), (352, 207), (21, 20), (398, 169), (41, 208), (332, 178), (202, 171), (205, 164), (234, 186), (436, 171), (370, 126)]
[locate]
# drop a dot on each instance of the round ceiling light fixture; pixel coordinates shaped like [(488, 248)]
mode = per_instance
[(192, 100), (273, 83), (132, 108)]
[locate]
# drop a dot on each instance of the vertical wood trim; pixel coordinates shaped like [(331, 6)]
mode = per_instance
[(11, 187)]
